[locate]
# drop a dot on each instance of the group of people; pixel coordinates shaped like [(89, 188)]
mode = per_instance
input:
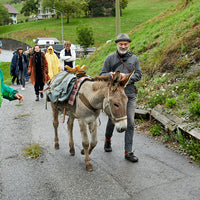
[(42, 67), (39, 66)]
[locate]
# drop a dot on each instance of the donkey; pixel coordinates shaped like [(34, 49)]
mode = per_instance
[(96, 94)]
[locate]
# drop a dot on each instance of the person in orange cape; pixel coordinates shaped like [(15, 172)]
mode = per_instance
[(38, 71)]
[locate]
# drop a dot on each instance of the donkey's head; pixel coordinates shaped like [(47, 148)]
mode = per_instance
[(115, 103)]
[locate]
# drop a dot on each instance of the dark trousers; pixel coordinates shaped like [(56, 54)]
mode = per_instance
[(39, 85)]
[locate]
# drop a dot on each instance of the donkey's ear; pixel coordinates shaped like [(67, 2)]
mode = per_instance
[(125, 80), (116, 80)]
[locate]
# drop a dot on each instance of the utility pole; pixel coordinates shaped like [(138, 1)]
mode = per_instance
[(117, 16)]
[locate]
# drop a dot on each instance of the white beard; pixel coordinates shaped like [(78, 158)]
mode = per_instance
[(122, 52)]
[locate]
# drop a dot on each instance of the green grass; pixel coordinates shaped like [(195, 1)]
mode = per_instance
[(33, 151), (137, 12), (5, 67)]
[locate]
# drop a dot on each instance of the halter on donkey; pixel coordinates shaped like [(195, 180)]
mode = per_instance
[(95, 94)]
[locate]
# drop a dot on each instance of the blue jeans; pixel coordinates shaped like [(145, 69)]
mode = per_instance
[(129, 133)]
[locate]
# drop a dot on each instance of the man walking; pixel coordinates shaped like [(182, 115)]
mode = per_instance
[(125, 62), (18, 67)]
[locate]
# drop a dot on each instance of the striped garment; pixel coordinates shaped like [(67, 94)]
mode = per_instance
[(76, 89)]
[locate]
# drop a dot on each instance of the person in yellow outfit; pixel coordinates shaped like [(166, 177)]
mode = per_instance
[(53, 62)]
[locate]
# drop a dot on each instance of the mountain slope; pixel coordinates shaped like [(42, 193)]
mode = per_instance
[(168, 47)]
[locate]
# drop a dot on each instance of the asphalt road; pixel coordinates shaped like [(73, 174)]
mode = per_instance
[(160, 174)]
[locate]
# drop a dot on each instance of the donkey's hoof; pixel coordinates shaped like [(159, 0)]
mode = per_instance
[(89, 168), (82, 152), (72, 152), (56, 146)]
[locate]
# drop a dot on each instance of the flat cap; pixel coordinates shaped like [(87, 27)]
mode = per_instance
[(20, 48), (123, 37)]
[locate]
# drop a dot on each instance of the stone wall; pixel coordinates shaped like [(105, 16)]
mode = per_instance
[(12, 45)]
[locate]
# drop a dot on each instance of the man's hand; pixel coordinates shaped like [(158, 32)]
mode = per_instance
[(122, 75), (19, 96)]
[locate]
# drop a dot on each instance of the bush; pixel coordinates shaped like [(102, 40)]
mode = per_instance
[(195, 108), (170, 102), (193, 96), (156, 130), (156, 99)]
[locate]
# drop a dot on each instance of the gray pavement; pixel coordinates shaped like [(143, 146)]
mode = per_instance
[(6, 56), (160, 174)]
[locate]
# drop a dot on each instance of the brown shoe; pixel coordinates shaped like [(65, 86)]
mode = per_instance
[(131, 157)]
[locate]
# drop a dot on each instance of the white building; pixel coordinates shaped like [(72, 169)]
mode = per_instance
[(45, 14), (45, 42), (12, 11)]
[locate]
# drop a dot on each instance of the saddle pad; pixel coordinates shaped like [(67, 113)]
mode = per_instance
[(61, 88), (76, 89)]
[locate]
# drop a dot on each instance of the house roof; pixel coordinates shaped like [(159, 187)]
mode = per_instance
[(54, 39), (11, 9)]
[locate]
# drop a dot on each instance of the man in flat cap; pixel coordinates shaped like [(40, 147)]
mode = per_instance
[(124, 61)]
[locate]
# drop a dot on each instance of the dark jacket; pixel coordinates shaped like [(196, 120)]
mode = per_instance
[(14, 67), (112, 63)]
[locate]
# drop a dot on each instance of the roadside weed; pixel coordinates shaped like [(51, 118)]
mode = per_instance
[(156, 130), (32, 151)]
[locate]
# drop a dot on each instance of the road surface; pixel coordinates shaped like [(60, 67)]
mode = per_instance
[(160, 174)]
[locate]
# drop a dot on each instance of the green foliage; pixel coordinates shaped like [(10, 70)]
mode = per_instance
[(4, 15), (167, 138), (170, 102), (85, 36), (193, 96), (194, 85), (156, 99), (156, 130), (195, 108), (182, 64), (33, 151), (29, 7), (5, 67), (190, 146)]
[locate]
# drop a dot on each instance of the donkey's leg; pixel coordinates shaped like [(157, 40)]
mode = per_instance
[(93, 132), (70, 124), (55, 125), (85, 143)]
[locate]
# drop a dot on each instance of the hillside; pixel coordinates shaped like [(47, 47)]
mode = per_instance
[(137, 12), (168, 47)]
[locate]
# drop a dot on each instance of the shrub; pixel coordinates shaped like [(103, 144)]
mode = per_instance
[(194, 86), (193, 96), (190, 146), (170, 102), (195, 108), (156, 99), (156, 130)]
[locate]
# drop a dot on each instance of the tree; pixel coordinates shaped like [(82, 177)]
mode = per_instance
[(69, 9), (123, 4), (4, 15), (66, 8), (85, 36), (48, 4), (30, 7)]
